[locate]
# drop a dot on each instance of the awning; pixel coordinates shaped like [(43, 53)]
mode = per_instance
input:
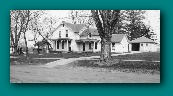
[(87, 40)]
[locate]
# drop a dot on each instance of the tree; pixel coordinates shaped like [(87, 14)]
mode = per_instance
[(105, 21), (132, 22), (81, 17), (42, 26), (20, 24), (16, 29)]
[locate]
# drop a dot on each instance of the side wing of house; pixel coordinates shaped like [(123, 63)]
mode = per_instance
[(89, 41)]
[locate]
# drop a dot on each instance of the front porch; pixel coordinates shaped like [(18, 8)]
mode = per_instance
[(87, 45), (62, 44)]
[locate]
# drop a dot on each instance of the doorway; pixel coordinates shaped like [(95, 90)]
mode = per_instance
[(83, 46), (69, 45), (135, 46)]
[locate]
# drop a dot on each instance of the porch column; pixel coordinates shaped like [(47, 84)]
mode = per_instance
[(67, 45), (94, 46)]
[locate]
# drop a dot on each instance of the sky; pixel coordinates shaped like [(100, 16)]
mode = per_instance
[(152, 18)]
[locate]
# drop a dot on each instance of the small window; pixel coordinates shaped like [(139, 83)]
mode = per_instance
[(66, 33), (89, 34), (57, 44), (141, 44), (59, 34), (62, 44), (89, 45), (113, 44), (147, 44), (95, 45)]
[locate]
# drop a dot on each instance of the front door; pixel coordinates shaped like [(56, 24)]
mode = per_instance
[(69, 48), (83, 46)]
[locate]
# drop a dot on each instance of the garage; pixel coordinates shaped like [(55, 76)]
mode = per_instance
[(135, 46)]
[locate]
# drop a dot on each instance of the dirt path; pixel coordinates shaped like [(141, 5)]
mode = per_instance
[(62, 61), (62, 74)]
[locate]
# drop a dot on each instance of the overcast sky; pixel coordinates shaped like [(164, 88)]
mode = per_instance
[(152, 19)]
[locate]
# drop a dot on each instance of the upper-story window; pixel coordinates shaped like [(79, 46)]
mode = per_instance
[(89, 34), (59, 34), (66, 33)]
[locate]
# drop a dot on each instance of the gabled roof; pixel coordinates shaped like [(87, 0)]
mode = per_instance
[(94, 32), (117, 38), (142, 39), (74, 27)]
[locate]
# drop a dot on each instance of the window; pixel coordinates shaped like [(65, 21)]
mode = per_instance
[(62, 44), (89, 34), (113, 44), (59, 34), (95, 45), (66, 33), (57, 45), (141, 44), (146, 44), (89, 45)]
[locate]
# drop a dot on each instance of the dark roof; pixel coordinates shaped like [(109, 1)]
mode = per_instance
[(74, 27), (117, 38), (142, 39), (94, 32)]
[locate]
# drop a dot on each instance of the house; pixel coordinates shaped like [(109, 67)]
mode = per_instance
[(79, 38), (142, 44), (119, 43), (75, 37)]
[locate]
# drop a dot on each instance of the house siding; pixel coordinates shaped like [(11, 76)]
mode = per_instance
[(120, 47)]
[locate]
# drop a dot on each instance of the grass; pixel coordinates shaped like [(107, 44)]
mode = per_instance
[(148, 56), (21, 59), (147, 67)]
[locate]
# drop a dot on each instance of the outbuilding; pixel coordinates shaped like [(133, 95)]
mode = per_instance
[(142, 44)]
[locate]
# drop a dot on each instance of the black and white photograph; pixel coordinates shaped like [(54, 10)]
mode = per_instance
[(84, 46)]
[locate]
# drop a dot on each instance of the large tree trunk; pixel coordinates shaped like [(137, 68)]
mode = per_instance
[(105, 50), (27, 54)]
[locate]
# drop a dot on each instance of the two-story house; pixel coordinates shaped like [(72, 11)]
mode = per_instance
[(75, 37)]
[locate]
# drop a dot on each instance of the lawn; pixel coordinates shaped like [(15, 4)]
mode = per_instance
[(21, 59), (146, 66)]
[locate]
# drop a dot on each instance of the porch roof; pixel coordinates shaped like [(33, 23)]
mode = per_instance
[(87, 40), (62, 39)]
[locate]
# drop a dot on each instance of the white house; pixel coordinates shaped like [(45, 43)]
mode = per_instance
[(119, 43), (143, 44), (79, 38), (75, 37)]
